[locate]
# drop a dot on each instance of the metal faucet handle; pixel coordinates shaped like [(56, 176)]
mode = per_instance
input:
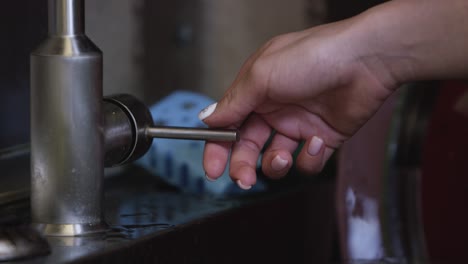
[(129, 130), (208, 134)]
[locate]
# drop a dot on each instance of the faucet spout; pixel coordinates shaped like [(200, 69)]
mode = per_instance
[(67, 152), (66, 17)]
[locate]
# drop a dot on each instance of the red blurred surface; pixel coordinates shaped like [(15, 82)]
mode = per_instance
[(445, 178)]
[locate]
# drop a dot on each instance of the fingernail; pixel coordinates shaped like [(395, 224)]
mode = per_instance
[(315, 145), (242, 186), (209, 178), (279, 163), (207, 111)]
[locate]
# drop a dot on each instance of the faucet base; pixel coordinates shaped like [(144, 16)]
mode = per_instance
[(71, 229)]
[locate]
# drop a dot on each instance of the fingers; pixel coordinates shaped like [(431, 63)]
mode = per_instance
[(215, 157), (235, 106), (277, 158), (245, 153), (313, 156)]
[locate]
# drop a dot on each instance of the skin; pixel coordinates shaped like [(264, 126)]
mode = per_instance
[(322, 84)]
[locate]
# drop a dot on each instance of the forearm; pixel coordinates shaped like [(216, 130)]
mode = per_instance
[(409, 40)]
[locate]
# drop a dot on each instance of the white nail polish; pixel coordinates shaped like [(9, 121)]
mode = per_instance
[(207, 111), (279, 163), (315, 145), (242, 186), (209, 178)]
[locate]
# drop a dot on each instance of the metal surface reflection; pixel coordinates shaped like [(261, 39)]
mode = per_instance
[(66, 125), (379, 192)]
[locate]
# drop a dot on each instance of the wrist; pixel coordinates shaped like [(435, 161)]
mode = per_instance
[(409, 40), (381, 50)]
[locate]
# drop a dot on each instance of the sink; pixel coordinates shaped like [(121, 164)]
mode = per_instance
[(153, 222)]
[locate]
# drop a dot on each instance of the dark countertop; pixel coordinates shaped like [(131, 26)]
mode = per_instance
[(151, 222)]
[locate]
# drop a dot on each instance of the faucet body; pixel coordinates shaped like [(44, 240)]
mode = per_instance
[(67, 151), (75, 133)]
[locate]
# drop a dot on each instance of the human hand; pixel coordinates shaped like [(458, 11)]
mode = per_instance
[(322, 84), (307, 86)]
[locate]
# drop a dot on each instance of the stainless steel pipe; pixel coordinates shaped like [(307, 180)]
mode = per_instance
[(67, 126), (207, 134)]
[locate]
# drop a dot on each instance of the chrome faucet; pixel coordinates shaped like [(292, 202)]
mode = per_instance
[(67, 150), (75, 132)]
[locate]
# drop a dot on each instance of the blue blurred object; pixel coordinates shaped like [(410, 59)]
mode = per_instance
[(179, 162)]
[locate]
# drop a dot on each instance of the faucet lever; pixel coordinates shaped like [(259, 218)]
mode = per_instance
[(129, 130), (208, 134)]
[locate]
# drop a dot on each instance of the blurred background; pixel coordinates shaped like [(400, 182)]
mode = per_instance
[(152, 48)]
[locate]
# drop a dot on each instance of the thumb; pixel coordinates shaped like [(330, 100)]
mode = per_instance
[(232, 109)]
